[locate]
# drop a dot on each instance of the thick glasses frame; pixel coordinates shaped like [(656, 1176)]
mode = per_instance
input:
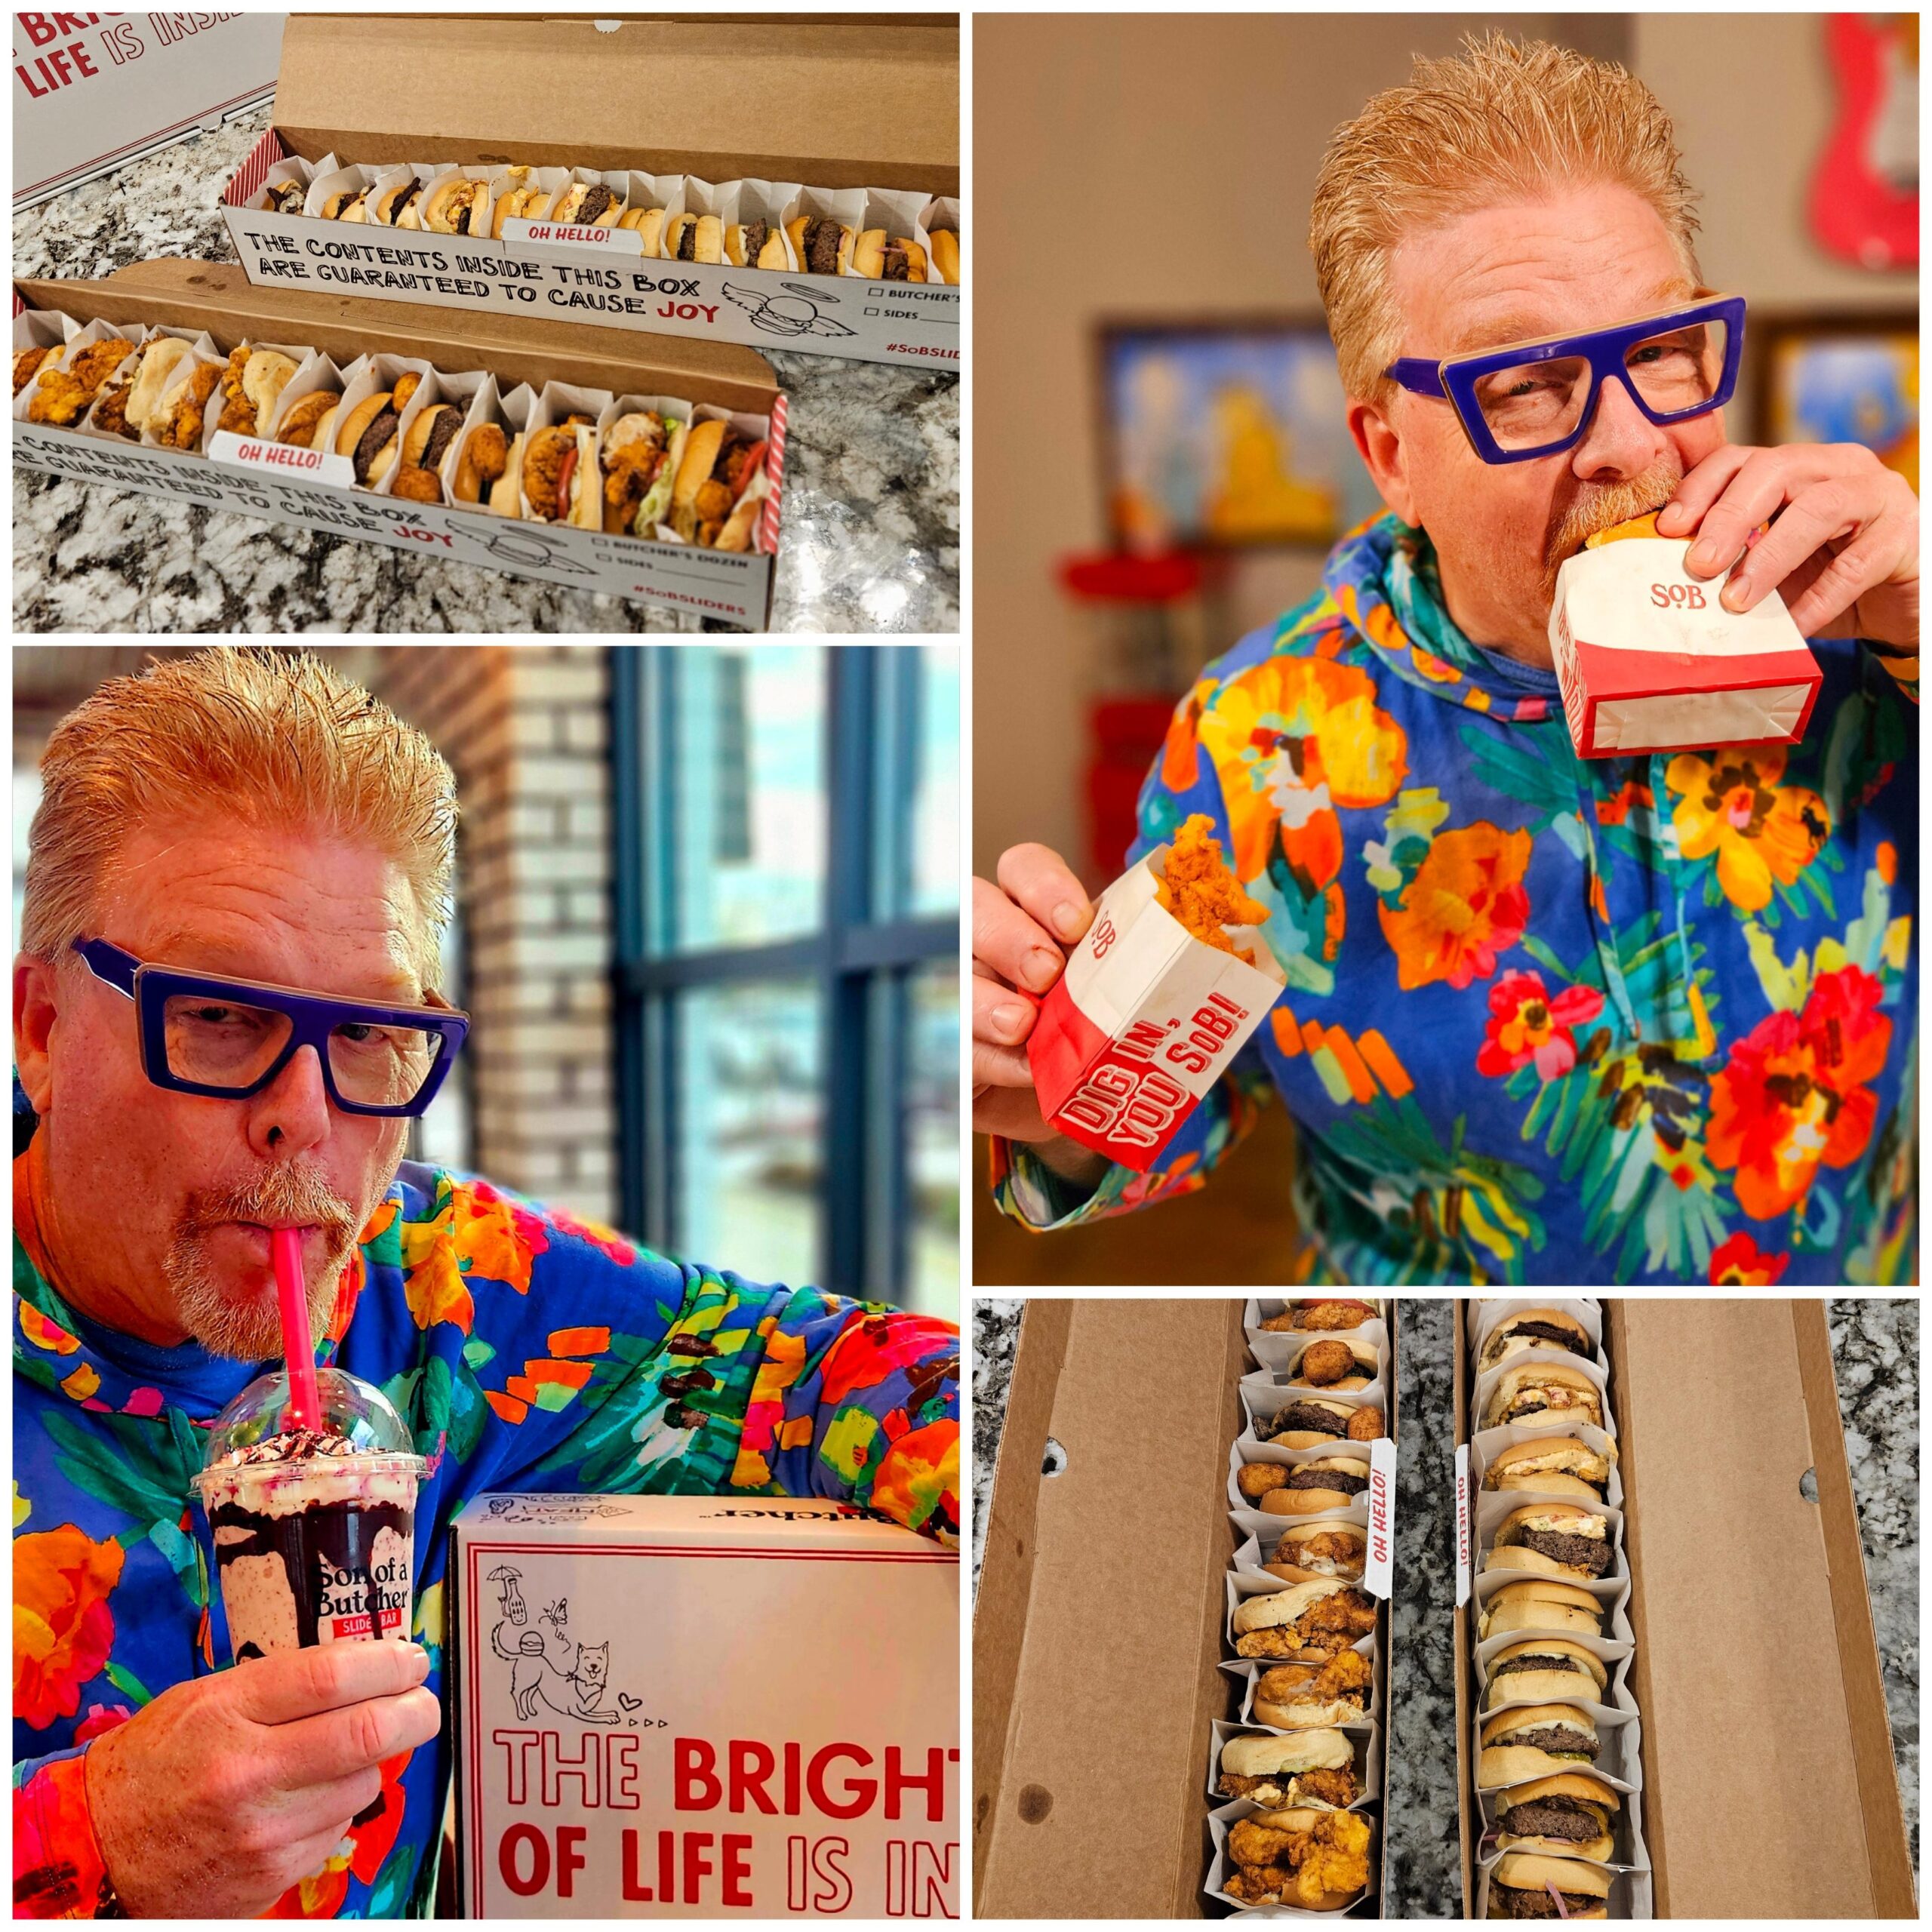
[(1456, 378), (312, 1017)]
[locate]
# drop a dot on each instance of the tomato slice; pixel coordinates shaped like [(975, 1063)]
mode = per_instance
[(564, 476)]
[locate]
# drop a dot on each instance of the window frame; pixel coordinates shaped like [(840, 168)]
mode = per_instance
[(861, 965)]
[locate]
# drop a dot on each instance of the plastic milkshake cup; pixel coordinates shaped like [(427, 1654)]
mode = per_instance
[(314, 1528)]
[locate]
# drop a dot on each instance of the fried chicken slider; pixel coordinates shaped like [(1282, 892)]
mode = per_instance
[(1316, 1768), (1309, 1551), (1317, 1860), (1309, 1623), (1327, 1314), (1296, 1696), (712, 499)]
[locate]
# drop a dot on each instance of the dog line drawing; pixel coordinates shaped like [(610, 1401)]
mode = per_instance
[(571, 1678)]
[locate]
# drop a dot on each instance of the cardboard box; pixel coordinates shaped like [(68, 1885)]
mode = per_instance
[(1648, 660), (218, 298), (698, 1707), (93, 92), (1099, 1690), (1768, 1788), (825, 102), (1144, 1021)]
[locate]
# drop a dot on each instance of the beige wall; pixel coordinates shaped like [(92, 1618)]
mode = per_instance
[(1162, 165)]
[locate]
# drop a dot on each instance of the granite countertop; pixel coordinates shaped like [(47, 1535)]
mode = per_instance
[(871, 485), (1874, 1346)]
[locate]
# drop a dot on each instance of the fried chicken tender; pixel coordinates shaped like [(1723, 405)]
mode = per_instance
[(110, 413), (407, 384), (1251, 1843), (1342, 1676), (1200, 891), (238, 413), (26, 363), (63, 395), (1297, 1867), (1309, 1316), (182, 429), (491, 452), (1335, 1785), (1254, 1480)]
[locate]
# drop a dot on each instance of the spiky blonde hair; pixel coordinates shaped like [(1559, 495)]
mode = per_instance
[(268, 738), (1500, 120)]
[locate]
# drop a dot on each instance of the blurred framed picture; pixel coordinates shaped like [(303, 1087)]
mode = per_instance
[(1842, 379), (1226, 433)]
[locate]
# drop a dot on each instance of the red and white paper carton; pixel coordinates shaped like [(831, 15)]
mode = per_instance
[(1649, 660), (703, 1707), (1144, 1020)]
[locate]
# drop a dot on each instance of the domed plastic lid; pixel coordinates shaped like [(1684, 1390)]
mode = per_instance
[(357, 1419)]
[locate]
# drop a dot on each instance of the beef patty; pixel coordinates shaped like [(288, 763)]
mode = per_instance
[(1559, 1739), (1548, 1331), (1589, 1553), (1310, 1416), (1553, 1818), (1540, 1663), (373, 438), (1519, 1902), (1343, 1480)]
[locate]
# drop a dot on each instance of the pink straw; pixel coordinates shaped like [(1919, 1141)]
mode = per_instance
[(285, 1245)]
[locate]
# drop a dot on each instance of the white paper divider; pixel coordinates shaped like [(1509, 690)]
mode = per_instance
[(1486, 1445), (1364, 1739)]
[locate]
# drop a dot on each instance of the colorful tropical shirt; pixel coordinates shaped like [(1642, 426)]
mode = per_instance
[(526, 1351), (1548, 1020)]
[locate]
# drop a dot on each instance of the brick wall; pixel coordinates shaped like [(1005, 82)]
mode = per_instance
[(524, 727)]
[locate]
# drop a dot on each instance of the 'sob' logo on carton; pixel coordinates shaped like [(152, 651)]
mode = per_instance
[(346, 1595), (1126, 1097)]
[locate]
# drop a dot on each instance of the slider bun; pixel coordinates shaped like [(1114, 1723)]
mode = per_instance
[(1314, 1501), (1536, 1604), (869, 253), (1280, 1607), (709, 246), (1543, 1375), (1619, 533), (264, 376), (1532, 1686), (1270, 1756), (1527, 1871), (157, 365), (650, 225), (1290, 1716), (518, 204), (674, 233), (1313, 1438), (945, 255), (387, 199), (694, 466), (1552, 1647), (358, 420), (418, 439), (506, 493)]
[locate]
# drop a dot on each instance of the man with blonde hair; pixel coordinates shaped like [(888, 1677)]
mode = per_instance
[(1646, 1018), (225, 1016)]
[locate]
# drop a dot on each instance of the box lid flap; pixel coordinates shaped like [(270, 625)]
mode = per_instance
[(218, 297), (836, 100), (1088, 1763), (1772, 1791), (690, 1522)]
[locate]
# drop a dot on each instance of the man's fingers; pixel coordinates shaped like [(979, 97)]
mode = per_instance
[(1000, 1066), (1859, 567), (338, 1744), (1697, 489), (1001, 1017), (1816, 516), (1040, 881), (1009, 1113), (1756, 492), (293, 1685), (1011, 944)]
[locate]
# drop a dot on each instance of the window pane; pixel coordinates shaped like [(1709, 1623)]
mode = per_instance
[(745, 834), (750, 1128), (935, 796), (932, 1140)]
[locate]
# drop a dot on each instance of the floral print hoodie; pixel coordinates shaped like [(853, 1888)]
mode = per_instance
[(526, 1351), (1548, 1020)]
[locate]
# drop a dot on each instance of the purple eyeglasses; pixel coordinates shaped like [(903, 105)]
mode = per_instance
[(1528, 399), (204, 1033)]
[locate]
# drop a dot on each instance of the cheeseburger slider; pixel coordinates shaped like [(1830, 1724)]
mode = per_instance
[(1541, 1603), (456, 206), (1316, 1768), (1533, 1741), (694, 238), (425, 444), (308, 422), (1553, 1539), (1300, 1697), (560, 474), (1538, 1394), (1343, 1367), (823, 247), (252, 385), (755, 244), (61, 396), (1307, 1624), (1328, 1483), (1309, 1551), (1316, 1860), (945, 255), (346, 205), (900, 259), (712, 500), (585, 205), (285, 197), (370, 433), (1331, 1316), (638, 455), (1542, 1670), (1553, 1465), (1545, 1328), (486, 455), (400, 206), (1572, 1814), (1523, 1886)]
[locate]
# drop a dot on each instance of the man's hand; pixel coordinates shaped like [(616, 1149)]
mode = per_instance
[(1844, 551), (215, 1798), (1020, 929)]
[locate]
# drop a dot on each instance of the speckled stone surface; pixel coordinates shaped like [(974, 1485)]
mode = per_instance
[(871, 486), (1874, 1346)]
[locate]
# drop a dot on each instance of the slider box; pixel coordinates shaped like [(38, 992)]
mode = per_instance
[(215, 297), (1767, 1789), (703, 1707), (1102, 1682), (832, 102), (1647, 659)]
